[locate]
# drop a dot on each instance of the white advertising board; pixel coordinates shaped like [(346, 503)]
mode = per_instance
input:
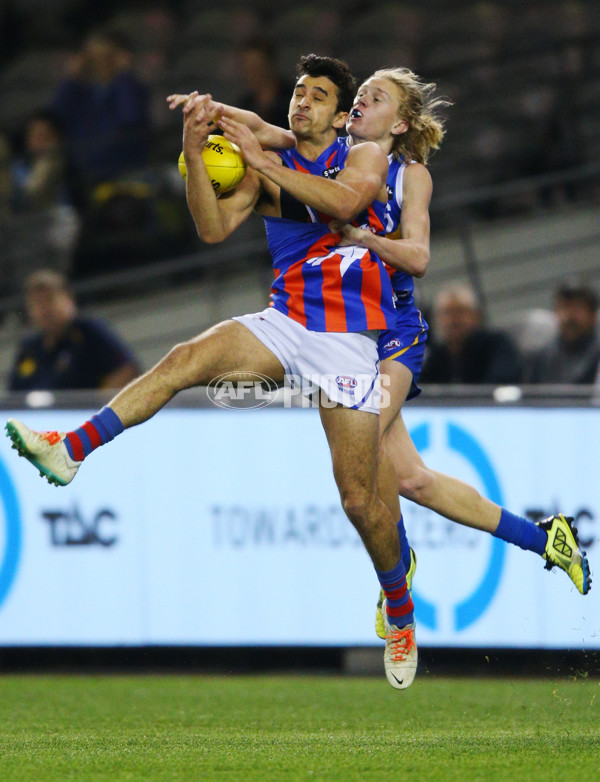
[(217, 527)]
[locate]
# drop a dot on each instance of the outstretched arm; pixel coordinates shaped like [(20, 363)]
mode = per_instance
[(215, 218), (410, 253), (354, 189), (269, 136)]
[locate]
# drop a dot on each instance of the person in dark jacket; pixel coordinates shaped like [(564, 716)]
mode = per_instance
[(104, 109), (67, 351), (464, 350), (267, 94), (573, 356)]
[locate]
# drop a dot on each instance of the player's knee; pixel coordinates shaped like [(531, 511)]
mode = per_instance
[(357, 502), (174, 364), (416, 485), (178, 356)]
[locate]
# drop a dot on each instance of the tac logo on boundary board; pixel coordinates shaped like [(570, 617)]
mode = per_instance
[(10, 539), (469, 609)]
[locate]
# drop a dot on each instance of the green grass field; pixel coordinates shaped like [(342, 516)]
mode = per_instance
[(296, 727)]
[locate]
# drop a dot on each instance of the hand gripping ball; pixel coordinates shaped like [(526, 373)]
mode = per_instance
[(224, 163)]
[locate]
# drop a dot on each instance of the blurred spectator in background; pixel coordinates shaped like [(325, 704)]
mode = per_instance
[(41, 176), (67, 350), (573, 356), (45, 224), (104, 109), (267, 94), (463, 350)]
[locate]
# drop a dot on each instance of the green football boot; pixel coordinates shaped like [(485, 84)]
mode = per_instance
[(562, 549)]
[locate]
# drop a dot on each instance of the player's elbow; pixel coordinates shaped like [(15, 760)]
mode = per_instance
[(210, 238), (418, 259), (210, 234), (421, 264), (353, 199), (346, 209), (345, 215)]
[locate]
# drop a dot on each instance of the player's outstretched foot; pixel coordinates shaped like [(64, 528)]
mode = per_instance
[(400, 656), (45, 450), (562, 549), (379, 626)]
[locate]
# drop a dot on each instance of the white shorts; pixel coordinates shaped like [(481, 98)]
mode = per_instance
[(344, 364)]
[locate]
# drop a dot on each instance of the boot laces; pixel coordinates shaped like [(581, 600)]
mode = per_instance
[(402, 641), (52, 437)]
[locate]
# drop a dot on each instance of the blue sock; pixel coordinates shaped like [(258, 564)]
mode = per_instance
[(99, 430), (521, 532), (404, 547), (399, 604)]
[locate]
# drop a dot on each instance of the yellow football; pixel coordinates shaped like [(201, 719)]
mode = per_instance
[(224, 162)]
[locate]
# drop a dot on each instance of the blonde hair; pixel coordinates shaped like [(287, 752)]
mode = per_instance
[(419, 108)]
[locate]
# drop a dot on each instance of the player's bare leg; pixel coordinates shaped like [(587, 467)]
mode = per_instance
[(460, 502), (353, 441), (387, 482), (353, 438), (441, 493), (226, 348)]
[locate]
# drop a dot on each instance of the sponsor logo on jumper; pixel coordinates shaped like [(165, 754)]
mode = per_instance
[(393, 343), (331, 173), (400, 295)]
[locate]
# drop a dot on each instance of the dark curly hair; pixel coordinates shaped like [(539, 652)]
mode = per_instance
[(336, 71), (577, 291)]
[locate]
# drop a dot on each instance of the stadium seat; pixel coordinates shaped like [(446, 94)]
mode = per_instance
[(218, 27), (195, 70), (146, 29), (314, 27), (34, 67)]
